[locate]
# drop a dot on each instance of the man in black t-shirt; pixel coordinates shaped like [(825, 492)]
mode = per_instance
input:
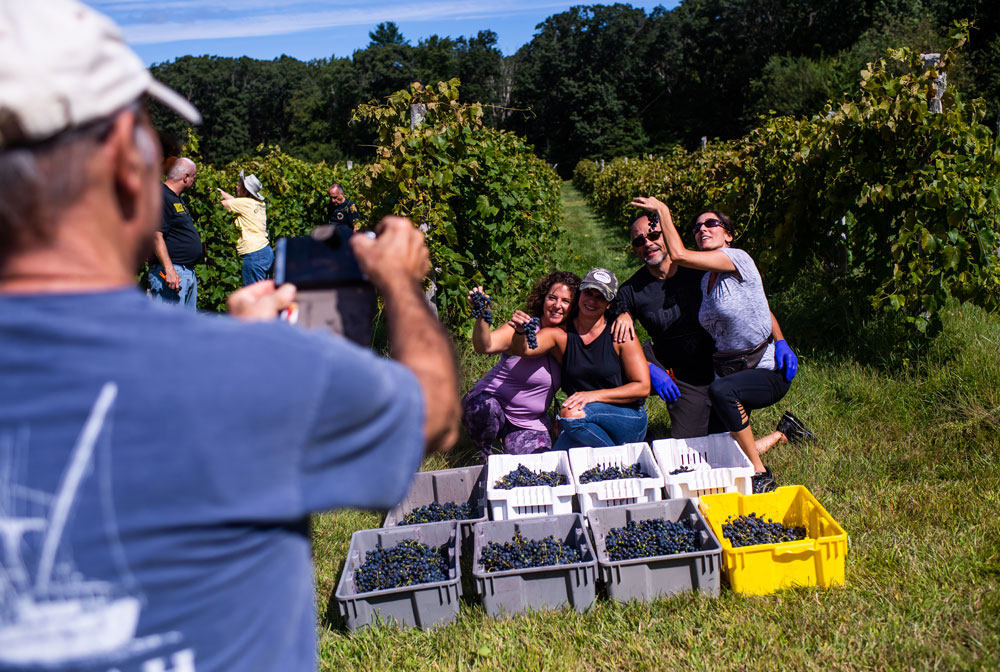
[(665, 298), (343, 211), (177, 245)]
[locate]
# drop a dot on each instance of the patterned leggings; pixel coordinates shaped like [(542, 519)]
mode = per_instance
[(484, 420)]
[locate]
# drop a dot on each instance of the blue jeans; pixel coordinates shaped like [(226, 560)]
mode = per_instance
[(605, 425), (186, 295), (257, 265)]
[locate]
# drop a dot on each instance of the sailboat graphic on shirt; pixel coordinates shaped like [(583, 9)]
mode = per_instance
[(50, 612)]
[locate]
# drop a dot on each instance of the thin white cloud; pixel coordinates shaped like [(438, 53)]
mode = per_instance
[(175, 20)]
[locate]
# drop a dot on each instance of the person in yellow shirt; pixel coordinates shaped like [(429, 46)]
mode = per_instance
[(251, 217)]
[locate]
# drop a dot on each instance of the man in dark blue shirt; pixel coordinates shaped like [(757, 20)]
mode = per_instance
[(159, 465), (343, 211), (177, 244)]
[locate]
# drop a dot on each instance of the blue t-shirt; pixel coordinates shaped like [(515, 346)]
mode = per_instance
[(157, 471)]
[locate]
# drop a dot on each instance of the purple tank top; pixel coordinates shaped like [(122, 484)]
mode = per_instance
[(524, 386)]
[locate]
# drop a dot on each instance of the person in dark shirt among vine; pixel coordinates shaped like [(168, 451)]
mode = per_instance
[(177, 245), (343, 211)]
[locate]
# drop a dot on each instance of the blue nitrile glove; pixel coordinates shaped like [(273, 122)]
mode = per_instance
[(785, 359), (663, 384)]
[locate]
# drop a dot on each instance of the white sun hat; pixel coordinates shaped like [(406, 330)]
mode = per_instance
[(62, 65), (252, 185)]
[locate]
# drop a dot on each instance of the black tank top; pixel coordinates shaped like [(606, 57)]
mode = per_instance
[(592, 367)]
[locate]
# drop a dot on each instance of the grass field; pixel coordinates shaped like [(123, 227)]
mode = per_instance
[(908, 462)]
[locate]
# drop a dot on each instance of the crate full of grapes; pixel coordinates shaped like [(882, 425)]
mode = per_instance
[(533, 563), (776, 540), (407, 574), (524, 486), (659, 549), (615, 476), (447, 494), (703, 465)]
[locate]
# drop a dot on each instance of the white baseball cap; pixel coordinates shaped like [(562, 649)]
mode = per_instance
[(62, 65)]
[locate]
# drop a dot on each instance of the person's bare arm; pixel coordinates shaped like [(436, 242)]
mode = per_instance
[(396, 263), (776, 328), (623, 328), (704, 260), (225, 198), (548, 340), (170, 274)]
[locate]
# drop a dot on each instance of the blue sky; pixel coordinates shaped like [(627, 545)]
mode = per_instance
[(161, 30)]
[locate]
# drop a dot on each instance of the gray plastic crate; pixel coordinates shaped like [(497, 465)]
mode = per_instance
[(662, 575), (423, 605), (549, 587), (464, 485)]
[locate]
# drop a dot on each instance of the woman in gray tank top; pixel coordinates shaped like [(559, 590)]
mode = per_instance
[(753, 364)]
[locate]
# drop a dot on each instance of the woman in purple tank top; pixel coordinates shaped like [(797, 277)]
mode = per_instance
[(511, 401)]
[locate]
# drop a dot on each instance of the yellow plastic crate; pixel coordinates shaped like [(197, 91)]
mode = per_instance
[(817, 560)]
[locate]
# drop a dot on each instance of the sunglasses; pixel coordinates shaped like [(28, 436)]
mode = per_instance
[(708, 224), (641, 239)]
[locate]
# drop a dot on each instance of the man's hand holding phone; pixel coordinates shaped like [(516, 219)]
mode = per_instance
[(260, 301)]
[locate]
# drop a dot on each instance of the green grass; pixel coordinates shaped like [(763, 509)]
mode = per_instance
[(908, 462)]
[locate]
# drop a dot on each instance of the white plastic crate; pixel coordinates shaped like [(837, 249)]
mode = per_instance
[(621, 491), (530, 502), (718, 466)]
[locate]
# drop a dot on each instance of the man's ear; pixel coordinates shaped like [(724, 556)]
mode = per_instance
[(127, 165)]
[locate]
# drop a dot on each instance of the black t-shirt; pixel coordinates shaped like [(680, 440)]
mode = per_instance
[(345, 213), (177, 227), (668, 311)]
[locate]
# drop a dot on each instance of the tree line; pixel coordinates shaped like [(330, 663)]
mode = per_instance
[(595, 81)]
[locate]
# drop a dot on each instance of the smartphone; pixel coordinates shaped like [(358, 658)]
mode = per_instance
[(333, 293)]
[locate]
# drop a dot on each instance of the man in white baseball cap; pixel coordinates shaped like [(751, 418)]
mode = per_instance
[(160, 466)]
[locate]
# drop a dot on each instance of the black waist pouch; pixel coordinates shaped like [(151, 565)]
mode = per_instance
[(727, 362)]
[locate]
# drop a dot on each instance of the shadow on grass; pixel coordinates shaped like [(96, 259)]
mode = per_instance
[(833, 320), (332, 618)]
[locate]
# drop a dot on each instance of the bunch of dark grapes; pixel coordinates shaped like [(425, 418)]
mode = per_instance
[(434, 512), (531, 332), (752, 530), (648, 538), (519, 553), (683, 469), (522, 477), (612, 473), (481, 307), (406, 564)]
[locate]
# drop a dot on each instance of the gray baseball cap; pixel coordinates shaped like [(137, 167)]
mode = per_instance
[(63, 65), (602, 280)]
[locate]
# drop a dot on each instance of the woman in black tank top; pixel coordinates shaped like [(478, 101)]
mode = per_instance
[(607, 382)]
